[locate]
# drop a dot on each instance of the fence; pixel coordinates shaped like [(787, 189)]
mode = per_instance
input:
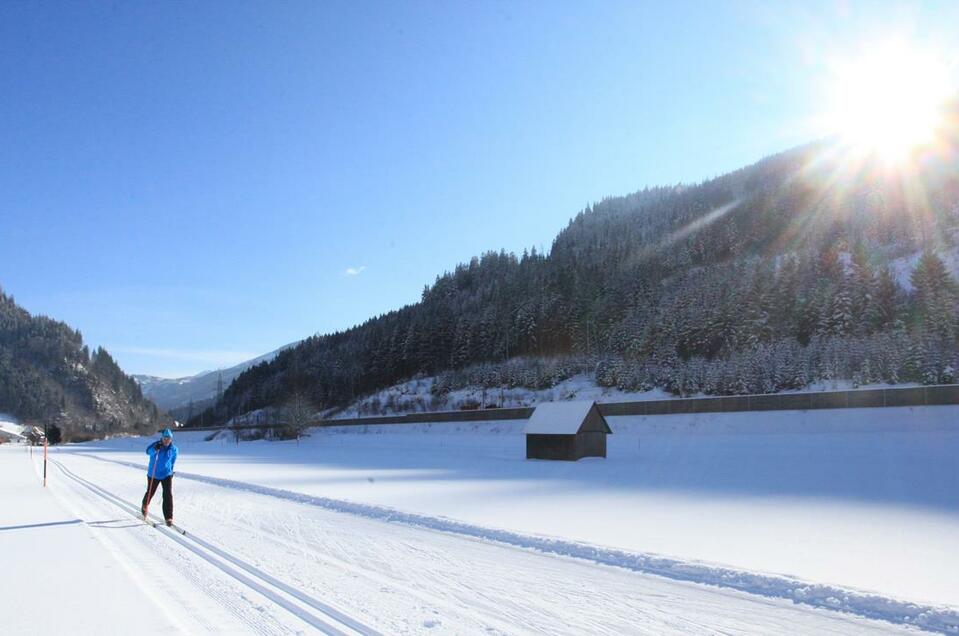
[(942, 394), (862, 398)]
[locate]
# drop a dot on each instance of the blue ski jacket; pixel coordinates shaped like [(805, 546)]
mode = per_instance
[(166, 457)]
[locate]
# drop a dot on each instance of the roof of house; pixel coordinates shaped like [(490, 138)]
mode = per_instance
[(558, 418), (10, 428)]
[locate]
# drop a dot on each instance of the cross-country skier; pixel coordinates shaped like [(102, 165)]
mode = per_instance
[(160, 472)]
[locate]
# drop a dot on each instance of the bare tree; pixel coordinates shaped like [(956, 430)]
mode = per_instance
[(237, 431), (298, 414)]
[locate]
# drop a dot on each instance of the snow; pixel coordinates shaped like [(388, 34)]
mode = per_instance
[(414, 396), (903, 267), (64, 570), (817, 495), (736, 522), (558, 418), (11, 426)]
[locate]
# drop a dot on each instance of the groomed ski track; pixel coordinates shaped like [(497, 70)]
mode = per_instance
[(284, 552), (324, 618)]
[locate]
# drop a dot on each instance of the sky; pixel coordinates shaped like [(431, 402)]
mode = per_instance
[(194, 184)]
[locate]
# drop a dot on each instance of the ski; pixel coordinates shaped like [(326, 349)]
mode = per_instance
[(173, 526), (161, 524)]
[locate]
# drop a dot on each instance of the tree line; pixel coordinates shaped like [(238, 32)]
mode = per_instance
[(49, 376), (797, 264)]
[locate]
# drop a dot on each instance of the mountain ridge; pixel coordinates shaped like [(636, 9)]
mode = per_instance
[(779, 269), (177, 393), (49, 376)]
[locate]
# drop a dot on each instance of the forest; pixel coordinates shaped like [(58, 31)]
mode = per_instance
[(48, 376), (803, 267)]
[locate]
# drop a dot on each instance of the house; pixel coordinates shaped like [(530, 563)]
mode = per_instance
[(35, 435), (567, 431), (9, 429)]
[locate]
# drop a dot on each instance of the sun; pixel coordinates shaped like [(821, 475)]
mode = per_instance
[(889, 100)]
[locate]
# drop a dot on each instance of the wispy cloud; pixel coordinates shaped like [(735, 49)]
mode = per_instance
[(215, 357), (354, 271)]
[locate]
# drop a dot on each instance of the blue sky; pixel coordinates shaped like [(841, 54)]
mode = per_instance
[(194, 184)]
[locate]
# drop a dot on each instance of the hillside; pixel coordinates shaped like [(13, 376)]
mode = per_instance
[(176, 394), (807, 266), (48, 376)]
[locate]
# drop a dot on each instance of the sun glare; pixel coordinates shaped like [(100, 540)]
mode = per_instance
[(890, 100)]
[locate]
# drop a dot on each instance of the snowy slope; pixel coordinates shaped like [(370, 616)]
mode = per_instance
[(255, 562), (414, 396), (10, 425), (903, 267)]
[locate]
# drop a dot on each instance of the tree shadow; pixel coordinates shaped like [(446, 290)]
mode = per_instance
[(910, 468)]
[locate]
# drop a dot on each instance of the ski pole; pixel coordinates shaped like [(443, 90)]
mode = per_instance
[(156, 460)]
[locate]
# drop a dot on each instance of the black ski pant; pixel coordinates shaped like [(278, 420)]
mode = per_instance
[(167, 484)]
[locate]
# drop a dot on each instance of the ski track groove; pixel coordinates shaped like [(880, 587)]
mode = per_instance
[(319, 623), (185, 567), (291, 535), (226, 597), (301, 543), (944, 620), (501, 616)]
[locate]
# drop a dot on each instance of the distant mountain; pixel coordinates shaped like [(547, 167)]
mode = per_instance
[(808, 266), (176, 394), (48, 376)]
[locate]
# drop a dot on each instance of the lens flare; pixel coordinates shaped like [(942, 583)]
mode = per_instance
[(889, 100)]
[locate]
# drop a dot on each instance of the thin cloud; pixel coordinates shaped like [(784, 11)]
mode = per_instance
[(354, 271)]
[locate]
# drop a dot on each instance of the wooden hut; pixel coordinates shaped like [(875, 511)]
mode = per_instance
[(567, 431), (35, 435)]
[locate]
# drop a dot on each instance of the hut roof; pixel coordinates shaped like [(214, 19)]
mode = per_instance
[(558, 418)]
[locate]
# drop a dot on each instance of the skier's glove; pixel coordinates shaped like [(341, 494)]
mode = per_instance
[(157, 445)]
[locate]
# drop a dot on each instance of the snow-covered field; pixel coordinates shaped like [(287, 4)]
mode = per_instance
[(712, 523)]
